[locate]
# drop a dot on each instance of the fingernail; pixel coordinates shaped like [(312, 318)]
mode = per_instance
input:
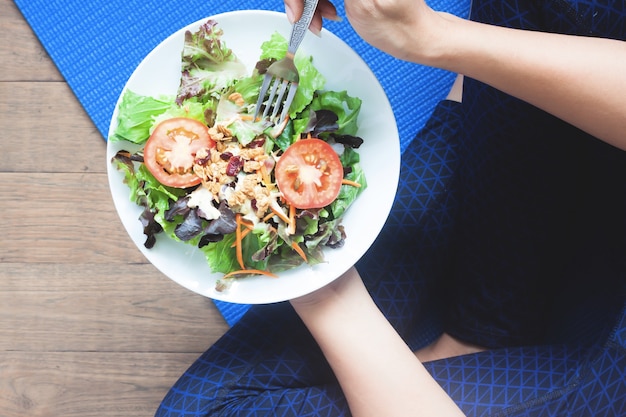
[(316, 31), (289, 14), (334, 18)]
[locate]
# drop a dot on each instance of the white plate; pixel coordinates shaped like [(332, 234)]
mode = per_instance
[(244, 31)]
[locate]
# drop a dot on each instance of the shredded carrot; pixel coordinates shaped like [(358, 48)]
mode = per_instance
[(238, 238), (250, 272), (268, 216), (246, 117), (244, 233), (247, 224), (279, 212), (350, 182), (291, 228), (248, 228), (298, 249), (266, 178)]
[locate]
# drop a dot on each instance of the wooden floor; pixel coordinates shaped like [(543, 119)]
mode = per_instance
[(87, 326)]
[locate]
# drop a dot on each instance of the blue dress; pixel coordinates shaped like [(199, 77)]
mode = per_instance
[(508, 231)]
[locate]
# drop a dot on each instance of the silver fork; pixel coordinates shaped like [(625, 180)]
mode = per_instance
[(283, 73)]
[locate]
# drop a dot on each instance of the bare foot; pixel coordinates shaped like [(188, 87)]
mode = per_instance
[(446, 347)]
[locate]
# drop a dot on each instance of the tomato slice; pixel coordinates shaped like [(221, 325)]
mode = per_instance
[(309, 174), (170, 151)]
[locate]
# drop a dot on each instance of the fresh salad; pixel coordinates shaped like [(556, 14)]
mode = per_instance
[(253, 196)]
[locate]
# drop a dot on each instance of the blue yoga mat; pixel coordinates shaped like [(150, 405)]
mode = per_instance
[(97, 45)]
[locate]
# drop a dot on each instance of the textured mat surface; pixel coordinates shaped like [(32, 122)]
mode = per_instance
[(97, 45)]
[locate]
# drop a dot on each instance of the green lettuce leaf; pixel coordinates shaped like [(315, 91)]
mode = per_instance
[(245, 131), (221, 256), (349, 193), (346, 108), (311, 79), (136, 115), (190, 108), (208, 65)]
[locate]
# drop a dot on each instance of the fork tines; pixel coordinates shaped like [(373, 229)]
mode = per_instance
[(275, 102)]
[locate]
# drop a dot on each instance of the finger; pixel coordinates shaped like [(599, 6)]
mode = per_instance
[(316, 23), (328, 11), (325, 9), (293, 10)]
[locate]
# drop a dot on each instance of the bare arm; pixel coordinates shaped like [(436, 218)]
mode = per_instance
[(379, 374), (581, 80)]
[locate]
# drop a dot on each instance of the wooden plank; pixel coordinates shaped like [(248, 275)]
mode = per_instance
[(62, 217), (88, 327), (87, 384), (45, 129), (23, 57), (86, 307)]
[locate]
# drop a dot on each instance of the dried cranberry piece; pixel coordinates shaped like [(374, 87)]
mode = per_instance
[(257, 143), (235, 163), (205, 160)]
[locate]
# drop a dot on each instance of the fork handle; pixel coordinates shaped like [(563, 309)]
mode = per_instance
[(299, 28)]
